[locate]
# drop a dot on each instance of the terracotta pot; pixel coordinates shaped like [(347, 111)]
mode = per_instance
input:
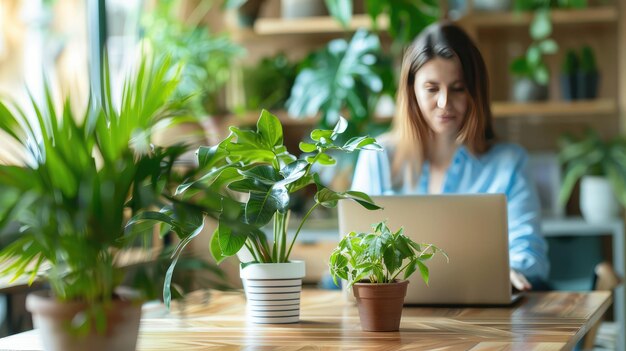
[(273, 291), (52, 318), (380, 305)]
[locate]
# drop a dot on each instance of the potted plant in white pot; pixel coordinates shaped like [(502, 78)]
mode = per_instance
[(68, 203), (376, 266), (251, 177), (601, 167)]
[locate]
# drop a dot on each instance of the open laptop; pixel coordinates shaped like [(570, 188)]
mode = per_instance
[(471, 229)]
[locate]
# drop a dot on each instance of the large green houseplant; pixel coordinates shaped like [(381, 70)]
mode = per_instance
[(376, 265), (601, 165), (251, 177), (68, 203)]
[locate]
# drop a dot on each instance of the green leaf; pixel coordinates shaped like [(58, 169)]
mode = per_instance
[(533, 55), (214, 247), (261, 207), (319, 134), (519, 66), (306, 147), (341, 10), (360, 143), (410, 268), (423, 271), (548, 46), (340, 127), (270, 129), (323, 159), (264, 174), (541, 25), (230, 242)]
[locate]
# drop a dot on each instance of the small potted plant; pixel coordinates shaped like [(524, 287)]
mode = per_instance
[(69, 199), (600, 166), (376, 266), (248, 180), (569, 68), (530, 70), (587, 75)]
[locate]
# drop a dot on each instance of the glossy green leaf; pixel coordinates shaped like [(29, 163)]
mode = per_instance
[(260, 208), (230, 241), (306, 147), (270, 129)]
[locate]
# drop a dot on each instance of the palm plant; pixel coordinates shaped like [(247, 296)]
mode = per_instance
[(82, 177)]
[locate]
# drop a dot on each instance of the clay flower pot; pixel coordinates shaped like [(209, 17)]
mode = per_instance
[(380, 305), (52, 318)]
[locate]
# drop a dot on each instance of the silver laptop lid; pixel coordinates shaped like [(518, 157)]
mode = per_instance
[(473, 231)]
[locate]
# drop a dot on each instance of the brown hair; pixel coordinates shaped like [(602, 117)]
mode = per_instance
[(410, 132)]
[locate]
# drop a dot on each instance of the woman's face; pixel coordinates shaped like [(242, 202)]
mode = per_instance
[(441, 95)]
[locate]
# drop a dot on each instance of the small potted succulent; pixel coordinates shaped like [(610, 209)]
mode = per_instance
[(248, 180), (376, 266), (568, 78), (587, 75)]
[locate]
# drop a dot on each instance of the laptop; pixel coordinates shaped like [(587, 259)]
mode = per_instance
[(471, 229)]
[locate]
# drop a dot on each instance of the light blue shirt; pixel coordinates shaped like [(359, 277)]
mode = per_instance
[(503, 169)]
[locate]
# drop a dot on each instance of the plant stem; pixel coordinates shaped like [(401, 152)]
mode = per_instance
[(252, 250), (276, 239), (300, 227)]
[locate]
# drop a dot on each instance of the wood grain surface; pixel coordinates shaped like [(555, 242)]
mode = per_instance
[(216, 320)]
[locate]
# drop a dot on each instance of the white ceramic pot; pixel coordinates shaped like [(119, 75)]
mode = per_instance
[(597, 200), (273, 291), (52, 318), (302, 8)]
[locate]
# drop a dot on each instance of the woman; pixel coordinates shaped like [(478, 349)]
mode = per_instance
[(442, 141)]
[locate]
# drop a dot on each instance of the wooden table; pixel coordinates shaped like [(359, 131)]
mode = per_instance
[(540, 321)]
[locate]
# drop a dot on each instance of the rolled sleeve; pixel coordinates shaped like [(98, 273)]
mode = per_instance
[(527, 248)]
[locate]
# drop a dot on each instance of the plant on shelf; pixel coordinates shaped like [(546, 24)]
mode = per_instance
[(68, 202), (407, 18), (602, 167), (568, 77), (530, 69), (254, 177), (376, 266), (342, 75), (587, 75), (275, 71), (207, 57)]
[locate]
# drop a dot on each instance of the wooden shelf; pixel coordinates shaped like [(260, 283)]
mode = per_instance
[(554, 108), (310, 25), (603, 14)]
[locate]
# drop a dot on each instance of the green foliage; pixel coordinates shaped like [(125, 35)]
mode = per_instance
[(380, 256), (570, 63), (248, 179), (532, 64), (407, 18), (342, 75), (207, 57), (591, 155), (67, 205), (275, 72), (587, 60)]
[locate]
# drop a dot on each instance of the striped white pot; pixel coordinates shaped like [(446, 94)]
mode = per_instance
[(273, 291)]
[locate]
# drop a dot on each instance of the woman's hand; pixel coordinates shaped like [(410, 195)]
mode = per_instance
[(519, 281)]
